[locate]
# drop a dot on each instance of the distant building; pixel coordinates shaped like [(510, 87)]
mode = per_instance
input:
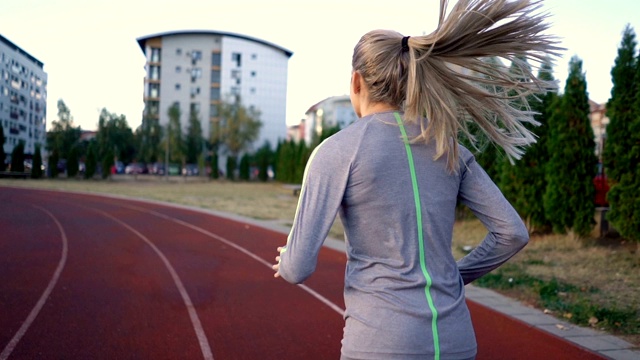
[(199, 69), (336, 110), (599, 122), (23, 98)]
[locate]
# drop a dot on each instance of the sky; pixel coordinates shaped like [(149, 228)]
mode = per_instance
[(93, 60)]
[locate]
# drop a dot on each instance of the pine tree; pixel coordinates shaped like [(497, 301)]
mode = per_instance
[(72, 162), (568, 199), (36, 170), (193, 141), (619, 109), (524, 183), (17, 158), (52, 164), (232, 165), (215, 171), (624, 196), (92, 161), (245, 167)]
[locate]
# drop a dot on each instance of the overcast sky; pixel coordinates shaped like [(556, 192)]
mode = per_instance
[(93, 61)]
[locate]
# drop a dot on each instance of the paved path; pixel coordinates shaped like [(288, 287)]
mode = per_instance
[(94, 277)]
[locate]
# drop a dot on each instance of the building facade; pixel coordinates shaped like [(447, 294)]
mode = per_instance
[(336, 110), (23, 98), (199, 69)]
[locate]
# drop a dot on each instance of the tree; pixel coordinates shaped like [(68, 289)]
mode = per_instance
[(245, 167), (107, 163), (3, 155), (63, 135), (619, 109), (215, 170), (568, 199), (237, 128), (174, 134), (524, 183), (91, 161), (52, 164), (149, 139), (264, 160), (36, 169), (231, 167), (115, 137), (72, 162), (17, 158), (194, 140), (624, 195)]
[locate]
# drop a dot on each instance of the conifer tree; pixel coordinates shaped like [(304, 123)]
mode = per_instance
[(524, 183), (569, 197), (36, 170), (245, 168), (92, 161), (624, 196), (17, 158), (72, 162), (619, 109), (215, 171)]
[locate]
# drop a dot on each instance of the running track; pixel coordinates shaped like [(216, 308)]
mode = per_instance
[(90, 277)]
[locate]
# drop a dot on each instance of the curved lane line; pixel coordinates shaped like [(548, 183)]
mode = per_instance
[(193, 315), (312, 292), (45, 295)]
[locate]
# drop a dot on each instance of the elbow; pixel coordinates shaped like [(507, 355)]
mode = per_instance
[(521, 236)]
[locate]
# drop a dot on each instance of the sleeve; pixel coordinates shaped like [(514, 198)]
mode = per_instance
[(323, 187), (507, 233)]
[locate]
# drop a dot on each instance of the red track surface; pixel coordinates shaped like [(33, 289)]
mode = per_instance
[(147, 281)]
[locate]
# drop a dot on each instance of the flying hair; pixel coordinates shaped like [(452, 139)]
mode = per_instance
[(447, 80)]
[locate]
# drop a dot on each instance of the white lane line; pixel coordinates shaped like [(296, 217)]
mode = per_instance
[(312, 292), (193, 315), (45, 295)]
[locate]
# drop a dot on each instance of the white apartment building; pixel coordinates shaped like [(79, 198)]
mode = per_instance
[(198, 69), (23, 98), (336, 110)]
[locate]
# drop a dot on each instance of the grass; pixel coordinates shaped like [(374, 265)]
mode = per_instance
[(590, 283)]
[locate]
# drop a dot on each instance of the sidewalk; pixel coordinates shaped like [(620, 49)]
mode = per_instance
[(603, 344)]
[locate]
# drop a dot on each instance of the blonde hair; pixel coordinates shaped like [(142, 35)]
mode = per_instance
[(444, 81)]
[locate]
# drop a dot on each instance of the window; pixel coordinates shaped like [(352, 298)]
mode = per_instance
[(235, 90), (155, 55), (215, 76), (213, 110), (254, 56), (196, 73), (178, 51), (177, 86), (253, 74), (215, 59), (178, 69), (154, 72), (195, 90), (194, 108), (252, 90), (196, 55), (237, 58), (215, 93), (154, 90)]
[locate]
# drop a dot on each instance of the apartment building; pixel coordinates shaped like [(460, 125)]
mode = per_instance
[(23, 98), (335, 110), (198, 69)]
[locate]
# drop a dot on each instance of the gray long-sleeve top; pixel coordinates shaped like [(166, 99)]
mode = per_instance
[(404, 293)]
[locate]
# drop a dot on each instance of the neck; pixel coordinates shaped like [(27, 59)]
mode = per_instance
[(373, 108)]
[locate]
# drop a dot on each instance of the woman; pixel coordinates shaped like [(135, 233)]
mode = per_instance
[(395, 177)]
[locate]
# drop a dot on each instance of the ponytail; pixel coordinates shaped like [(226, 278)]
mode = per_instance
[(444, 80)]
